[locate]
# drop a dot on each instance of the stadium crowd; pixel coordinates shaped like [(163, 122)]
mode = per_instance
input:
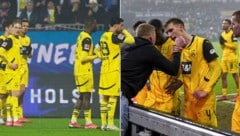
[(200, 16), (42, 13)]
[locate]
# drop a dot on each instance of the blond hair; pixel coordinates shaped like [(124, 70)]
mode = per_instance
[(144, 30)]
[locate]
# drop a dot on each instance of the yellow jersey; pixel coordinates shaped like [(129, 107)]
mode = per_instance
[(109, 83), (110, 49), (160, 80), (25, 42), (13, 54), (84, 50), (229, 45), (3, 54), (195, 59)]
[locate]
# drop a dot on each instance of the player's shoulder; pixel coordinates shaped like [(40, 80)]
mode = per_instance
[(168, 41), (106, 35), (84, 35), (27, 37), (11, 36), (3, 37), (201, 39)]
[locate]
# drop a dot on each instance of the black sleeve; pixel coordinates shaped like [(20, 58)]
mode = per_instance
[(163, 64), (209, 52), (86, 44), (2, 65), (7, 44), (222, 41), (118, 38)]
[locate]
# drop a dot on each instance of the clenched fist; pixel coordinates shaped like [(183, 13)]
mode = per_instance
[(180, 42)]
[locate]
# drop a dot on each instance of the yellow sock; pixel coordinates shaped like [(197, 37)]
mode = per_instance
[(87, 115), (238, 91), (111, 109), (1, 108), (103, 111), (224, 91), (8, 108), (75, 115), (20, 111), (15, 108)]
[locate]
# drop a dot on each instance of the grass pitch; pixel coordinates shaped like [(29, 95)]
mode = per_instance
[(54, 127)]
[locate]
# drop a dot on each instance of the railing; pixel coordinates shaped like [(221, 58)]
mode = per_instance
[(79, 27), (168, 125)]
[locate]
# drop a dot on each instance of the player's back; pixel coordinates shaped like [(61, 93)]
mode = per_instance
[(110, 52), (160, 80)]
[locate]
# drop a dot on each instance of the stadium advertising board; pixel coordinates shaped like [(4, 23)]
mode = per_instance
[(52, 91)]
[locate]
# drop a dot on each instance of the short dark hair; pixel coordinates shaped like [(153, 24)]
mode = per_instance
[(136, 24), (6, 24), (24, 20), (17, 21), (228, 21), (89, 21), (116, 20), (237, 15), (156, 23), (174, 21)]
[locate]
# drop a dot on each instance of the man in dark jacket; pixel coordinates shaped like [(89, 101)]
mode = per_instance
[(138, 62)]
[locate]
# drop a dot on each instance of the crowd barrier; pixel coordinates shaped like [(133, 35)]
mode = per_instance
[(168, 125)]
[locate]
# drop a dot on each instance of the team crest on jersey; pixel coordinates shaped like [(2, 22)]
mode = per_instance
[(121, 36), (186, 67), (193, 53), (86, 46)]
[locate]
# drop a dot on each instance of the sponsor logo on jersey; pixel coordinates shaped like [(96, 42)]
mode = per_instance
[(121, 36), (186, 67), (4, 44), (86, 46)]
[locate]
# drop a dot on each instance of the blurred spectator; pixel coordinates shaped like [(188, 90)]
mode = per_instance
[(51, 14), (30, 14), (40, 6), (21, 4), (112, 6), (64, 11), (73, 12), (6, 13), (200, 16), (78, 11), (97, 11)]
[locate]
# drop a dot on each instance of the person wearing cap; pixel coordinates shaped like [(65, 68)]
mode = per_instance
[(109, 83)]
